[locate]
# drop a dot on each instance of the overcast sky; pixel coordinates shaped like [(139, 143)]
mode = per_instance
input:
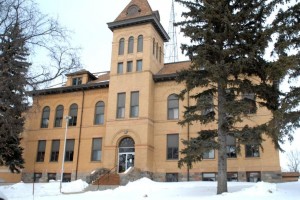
[(88, 20)]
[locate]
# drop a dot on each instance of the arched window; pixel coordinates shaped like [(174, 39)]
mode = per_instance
[(153, 46), (130, 44), (156, 50), (58, 116), (121, 46), (45, 117), (140, 44), (73, 114), (160, 54), (99, 113), (173, 106)]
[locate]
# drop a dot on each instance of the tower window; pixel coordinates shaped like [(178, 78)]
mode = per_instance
[(140, 44), (153, 46), (134, 104), (139, 65), (121, 46), (130, 44), (121, 105), (120, 68), (129, 66)]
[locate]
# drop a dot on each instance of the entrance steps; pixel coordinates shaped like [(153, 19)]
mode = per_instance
[(100, 187), (108, 179)]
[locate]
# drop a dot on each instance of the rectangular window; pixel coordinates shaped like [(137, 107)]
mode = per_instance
[(209, 177), (120, 68), (66, 177), (207, 104), (77, 81), (253, 177), (96, 149), (250, 103), (172, 146), (41, 151), (37, 177), (129, 66), (230, 146), (139, 65), (171, 177), (54, 151), (209, 154), (134, 104), (173, 107), (121, 105), (51, 176), (252, 150), (69, 154), (232, 176)]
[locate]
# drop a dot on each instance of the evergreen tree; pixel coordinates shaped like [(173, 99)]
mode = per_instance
[(286, 48), (13, 69), (24, 30), (229, 77)]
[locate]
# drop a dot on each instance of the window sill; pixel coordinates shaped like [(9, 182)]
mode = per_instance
[(99, 124), (95, 161), (175, 120), (232, 158), (253, 157)]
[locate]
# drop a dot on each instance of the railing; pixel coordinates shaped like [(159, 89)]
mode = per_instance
[(96, 174), (108, 173)]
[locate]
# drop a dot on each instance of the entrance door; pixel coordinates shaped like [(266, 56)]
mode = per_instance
[(126, 160), (126, 154)]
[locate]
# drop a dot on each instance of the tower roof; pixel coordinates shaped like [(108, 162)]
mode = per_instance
[(136, 8), (139, 12)]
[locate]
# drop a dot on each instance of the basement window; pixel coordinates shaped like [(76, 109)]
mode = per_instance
[(232, 176), (253, 177), (209, 177), (171, 177)]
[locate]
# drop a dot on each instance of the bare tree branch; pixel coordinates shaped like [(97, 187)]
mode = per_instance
[(293, 158)]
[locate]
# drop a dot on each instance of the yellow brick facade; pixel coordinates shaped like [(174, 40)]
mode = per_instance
[(149, 130)]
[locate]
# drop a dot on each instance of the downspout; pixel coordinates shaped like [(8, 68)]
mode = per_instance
[(188, 133), (79, 137)]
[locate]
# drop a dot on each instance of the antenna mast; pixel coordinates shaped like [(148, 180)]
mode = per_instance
[(171, 47)]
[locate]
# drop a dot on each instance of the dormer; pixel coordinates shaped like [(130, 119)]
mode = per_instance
[(79, 78)]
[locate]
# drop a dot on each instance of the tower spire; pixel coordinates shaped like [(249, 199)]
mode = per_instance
[(171, 46)]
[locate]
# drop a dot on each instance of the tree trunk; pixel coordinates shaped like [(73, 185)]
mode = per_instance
[(222, 156)]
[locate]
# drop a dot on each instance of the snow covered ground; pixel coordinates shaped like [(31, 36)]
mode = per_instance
[(147, 189)]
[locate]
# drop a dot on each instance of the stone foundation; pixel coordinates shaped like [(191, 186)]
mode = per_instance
[(135, 174)]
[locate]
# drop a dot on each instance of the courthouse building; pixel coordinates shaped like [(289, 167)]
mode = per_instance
[(127, 118)]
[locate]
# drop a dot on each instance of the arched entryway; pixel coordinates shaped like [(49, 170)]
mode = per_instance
[(126, 154)]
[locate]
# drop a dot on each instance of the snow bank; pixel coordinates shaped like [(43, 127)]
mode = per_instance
[(74, 187), (262, 188), (2, 196)]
